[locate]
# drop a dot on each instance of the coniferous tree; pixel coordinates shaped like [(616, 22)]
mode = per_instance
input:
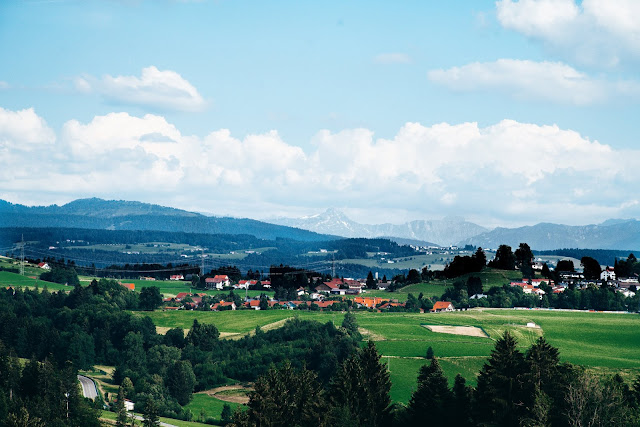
[(284, 397), (501, 395), (350, 324), (121, 412), (462, 395), (360, 389), (432, 400), (150, 416)]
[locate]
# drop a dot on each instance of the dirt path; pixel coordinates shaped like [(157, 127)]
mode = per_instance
[(218, 393)]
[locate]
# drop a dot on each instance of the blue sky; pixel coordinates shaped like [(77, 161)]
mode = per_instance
[(390, 111)]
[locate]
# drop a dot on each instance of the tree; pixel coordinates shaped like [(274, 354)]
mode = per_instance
[(432, 399), (360, 389), (565, 265), (371, 282), (413, 276), (504, 259), (181, 381), (429, 353), (351, 325), (591, 268), (150, 298), (462, 395), (480, 258), (501, 393), (121, 412), (545, 271), (226, 415), (203, 336), (150, 416), (524, 256), (283, 397)]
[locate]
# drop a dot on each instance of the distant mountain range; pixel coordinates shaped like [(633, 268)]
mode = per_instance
[(445, 232), (123, 215), (611, 234)]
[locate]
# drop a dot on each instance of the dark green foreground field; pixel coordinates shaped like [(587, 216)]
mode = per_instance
[(606, 342)]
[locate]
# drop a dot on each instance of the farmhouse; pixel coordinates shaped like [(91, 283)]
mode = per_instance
[(442, 306), (217, 282), (608, 274), (130, 286), (44, 266), (176, 277)]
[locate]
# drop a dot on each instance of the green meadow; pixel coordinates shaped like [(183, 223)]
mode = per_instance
[(605, 342)]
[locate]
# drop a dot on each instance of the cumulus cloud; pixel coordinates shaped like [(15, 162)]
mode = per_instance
[(392, 58), (161, 90), (523, 79), (23, 130), (523, 169), (595, 32)]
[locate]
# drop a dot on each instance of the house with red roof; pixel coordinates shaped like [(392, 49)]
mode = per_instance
[(442, 306), (130, 286), (44, 266), (218, 281), (176, 277)]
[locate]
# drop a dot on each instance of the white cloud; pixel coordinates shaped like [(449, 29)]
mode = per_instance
[(523, 79), (392, 58), (528, 172), (162, 90), (4, 85), (23, 130), (595, 32)]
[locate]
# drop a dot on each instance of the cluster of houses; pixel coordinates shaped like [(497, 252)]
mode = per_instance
[(191, 301), (625, 285)]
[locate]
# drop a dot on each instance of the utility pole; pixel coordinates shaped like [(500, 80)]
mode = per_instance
[(202, 263)]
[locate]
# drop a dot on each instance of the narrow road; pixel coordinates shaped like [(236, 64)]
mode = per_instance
[(88, 387)]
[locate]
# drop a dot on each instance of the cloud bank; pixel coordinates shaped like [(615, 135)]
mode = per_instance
[(504, 173)]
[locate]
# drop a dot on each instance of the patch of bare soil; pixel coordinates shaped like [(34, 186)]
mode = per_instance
[(470, 331), (219, 393), (370, 335)]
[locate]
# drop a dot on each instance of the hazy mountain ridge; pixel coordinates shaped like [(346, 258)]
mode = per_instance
[(447, 231), (611, 234), (123, 215)]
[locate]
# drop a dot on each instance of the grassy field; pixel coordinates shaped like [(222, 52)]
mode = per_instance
[(210, 406), (111, 416), (605, 342)]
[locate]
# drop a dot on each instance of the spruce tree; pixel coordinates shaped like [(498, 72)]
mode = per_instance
[(501, 395), (150, 414), (360, 389), (432, 400), (121, 412)]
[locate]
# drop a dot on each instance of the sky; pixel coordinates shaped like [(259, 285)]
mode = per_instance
[(506, 113)]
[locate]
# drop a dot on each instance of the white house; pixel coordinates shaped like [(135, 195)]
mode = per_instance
[(608, 274)]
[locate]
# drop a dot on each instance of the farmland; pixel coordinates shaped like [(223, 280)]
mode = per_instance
[(583, 338)]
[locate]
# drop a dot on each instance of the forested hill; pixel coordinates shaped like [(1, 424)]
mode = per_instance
[(123, 215)]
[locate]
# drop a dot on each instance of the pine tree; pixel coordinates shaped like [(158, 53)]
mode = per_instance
[(121, 412), (429, 354), (150, 414), (462, 395), (283, 397), (360, 389), (501, 395), (351, 325), (432, 400)]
